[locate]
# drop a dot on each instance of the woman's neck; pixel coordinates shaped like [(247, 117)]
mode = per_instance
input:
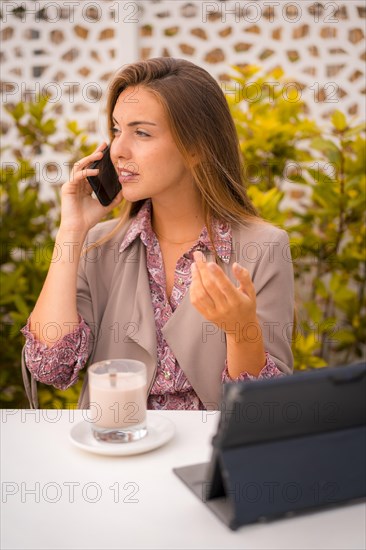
[(179, 225)]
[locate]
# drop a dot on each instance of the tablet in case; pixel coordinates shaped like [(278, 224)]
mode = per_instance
[(284, 445)]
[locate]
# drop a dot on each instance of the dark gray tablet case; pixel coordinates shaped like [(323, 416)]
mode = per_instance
[(284, 445)]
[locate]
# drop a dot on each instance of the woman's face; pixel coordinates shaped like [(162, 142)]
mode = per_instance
[(143, 145)]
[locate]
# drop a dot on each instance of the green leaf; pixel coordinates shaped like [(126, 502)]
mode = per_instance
[(18, 111), (49, 127), (339, 121), (355, 130), (315, 312), (326, 146), (72, 125)]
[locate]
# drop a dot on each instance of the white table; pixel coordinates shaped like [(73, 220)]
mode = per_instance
[(57, 496)]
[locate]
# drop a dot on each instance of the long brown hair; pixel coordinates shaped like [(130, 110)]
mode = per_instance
[(200, 121)]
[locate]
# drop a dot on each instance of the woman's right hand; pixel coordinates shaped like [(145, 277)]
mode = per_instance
[(79, 210)]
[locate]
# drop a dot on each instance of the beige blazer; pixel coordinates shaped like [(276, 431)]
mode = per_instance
[(114, 300)]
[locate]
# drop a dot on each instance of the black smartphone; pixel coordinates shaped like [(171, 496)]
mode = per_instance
[(105, 184)]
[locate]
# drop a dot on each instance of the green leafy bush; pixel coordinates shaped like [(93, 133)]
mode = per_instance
[(327, 230), (27, 230), (280, 146)]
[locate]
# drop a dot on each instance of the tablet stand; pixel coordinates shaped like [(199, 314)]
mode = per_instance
[(277, 465), (268, 480)]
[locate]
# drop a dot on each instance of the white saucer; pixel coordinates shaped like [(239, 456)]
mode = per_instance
[(159, 431)]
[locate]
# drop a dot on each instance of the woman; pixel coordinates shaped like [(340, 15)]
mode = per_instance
[(189, 280)]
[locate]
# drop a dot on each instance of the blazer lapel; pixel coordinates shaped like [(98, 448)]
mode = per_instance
[(136, 283)]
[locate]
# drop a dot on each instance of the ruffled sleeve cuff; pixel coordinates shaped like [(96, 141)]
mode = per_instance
[(269, 371), (59, 364)]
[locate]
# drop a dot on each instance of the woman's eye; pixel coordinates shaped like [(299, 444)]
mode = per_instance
[(140, 133)]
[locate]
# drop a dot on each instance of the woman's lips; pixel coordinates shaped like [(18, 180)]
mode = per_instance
[(124, 176)]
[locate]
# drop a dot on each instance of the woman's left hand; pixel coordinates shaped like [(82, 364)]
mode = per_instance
[(232, 309)]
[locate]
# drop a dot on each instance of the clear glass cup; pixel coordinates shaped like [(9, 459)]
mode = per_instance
[(117, 390)]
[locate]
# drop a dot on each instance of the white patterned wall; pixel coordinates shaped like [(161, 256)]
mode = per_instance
[(320, 47), (71, 48)]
